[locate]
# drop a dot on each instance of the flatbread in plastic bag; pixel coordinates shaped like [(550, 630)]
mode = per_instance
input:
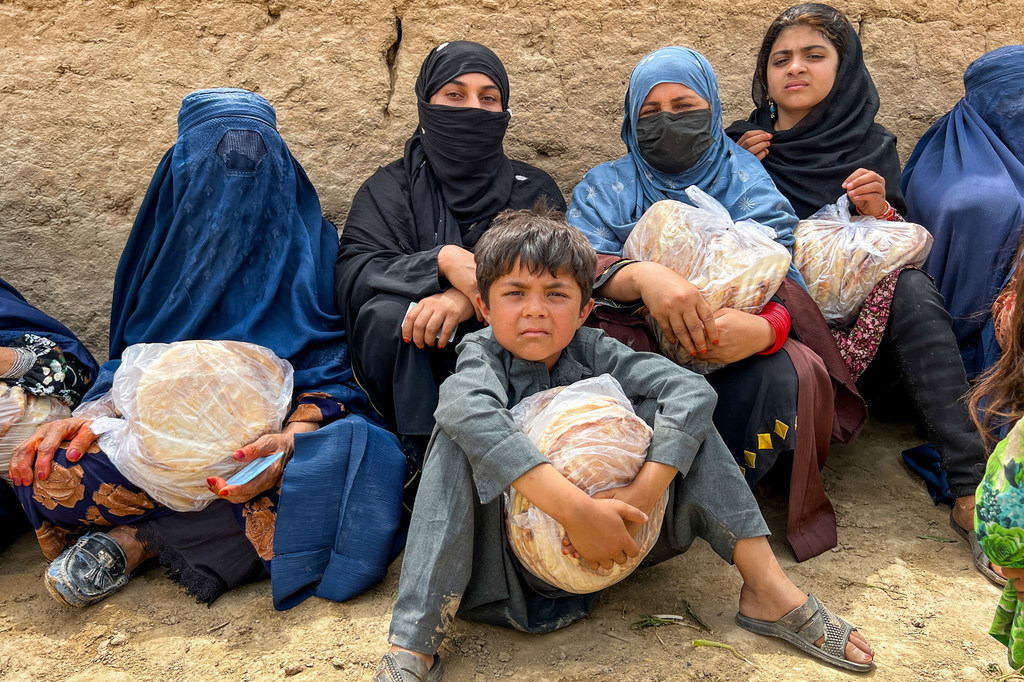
[(186, 407), (593, 437), (21, 413), (842, 258), (734, 265)]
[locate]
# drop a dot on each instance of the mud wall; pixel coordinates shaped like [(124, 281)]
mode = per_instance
[(89, 92)]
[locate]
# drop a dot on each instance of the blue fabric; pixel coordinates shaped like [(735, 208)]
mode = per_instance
[(925, 461), (965, 184), (613, 196), (18, 317), (230, 243), (339, 522)]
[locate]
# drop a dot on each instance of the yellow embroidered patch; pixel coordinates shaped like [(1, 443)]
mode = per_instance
[(750, 458), (764, 441), (781, 429), (743, 472)]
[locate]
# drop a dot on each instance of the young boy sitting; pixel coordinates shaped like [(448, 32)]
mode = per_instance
[(535, 274)]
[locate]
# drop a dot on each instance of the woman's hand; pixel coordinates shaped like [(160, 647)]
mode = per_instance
[(36, 453), (437, 314), (756, 142), (677, 306), (263, 446), (740, 336), (866, 190), (458, 266)]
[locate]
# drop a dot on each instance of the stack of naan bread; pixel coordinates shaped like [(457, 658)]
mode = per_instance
[(592, 436), (843, 258), (21, 413), (187, 407), (734, 265)]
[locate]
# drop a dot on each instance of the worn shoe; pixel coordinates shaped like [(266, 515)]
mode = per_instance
[(401, 666), (89, 571)]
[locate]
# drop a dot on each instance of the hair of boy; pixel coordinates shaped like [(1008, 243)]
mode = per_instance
[(539, 240)]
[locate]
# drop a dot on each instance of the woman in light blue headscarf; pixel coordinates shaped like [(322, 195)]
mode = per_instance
[(674, 137), (965, 183)]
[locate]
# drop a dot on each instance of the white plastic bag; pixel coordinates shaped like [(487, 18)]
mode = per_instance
[(734, 265), (842, 258), (592, 436), (186, 408), (21, 413)]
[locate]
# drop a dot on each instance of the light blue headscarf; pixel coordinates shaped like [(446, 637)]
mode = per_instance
[(613, 196)]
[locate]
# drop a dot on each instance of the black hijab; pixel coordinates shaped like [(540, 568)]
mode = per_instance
[(810, 161), (451, 182)]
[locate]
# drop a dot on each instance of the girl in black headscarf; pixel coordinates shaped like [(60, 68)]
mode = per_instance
[(814, 130), (405, 274)]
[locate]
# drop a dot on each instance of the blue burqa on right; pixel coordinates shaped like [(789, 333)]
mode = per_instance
[(965, 184)]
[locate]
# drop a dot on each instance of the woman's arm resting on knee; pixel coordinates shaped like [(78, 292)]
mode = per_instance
[(35, 455)]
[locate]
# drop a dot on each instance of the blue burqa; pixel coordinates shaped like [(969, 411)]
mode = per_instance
[(612, 197), (230, 243), (965, 183)]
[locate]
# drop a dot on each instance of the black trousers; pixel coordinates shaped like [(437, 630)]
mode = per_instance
[(919, 359)]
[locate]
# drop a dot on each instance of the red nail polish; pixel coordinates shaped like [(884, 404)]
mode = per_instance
[(693, 354), (715, 342), (239, 455), (406, 339), (211, 481), (74, 455), (42, 477), (223, 493)]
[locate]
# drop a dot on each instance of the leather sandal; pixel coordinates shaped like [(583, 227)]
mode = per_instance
[(805, 625), (978, 555), (88, 571), (402, 666)]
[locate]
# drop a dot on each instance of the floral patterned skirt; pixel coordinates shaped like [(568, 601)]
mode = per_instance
[(858, 343), (91, 494)]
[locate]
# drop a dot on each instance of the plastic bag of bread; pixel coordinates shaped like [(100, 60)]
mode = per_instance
[(592, 436), (185, 408), (734, 265), (842, 258), (21, 413)]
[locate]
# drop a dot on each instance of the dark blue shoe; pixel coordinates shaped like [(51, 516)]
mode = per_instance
[(89, 571)]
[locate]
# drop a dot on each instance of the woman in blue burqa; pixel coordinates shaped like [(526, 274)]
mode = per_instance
[(229, 244), (965, 183), (44, 359)]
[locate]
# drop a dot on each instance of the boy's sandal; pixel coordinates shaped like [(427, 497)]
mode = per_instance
[(805, 625), (88, 571), (977, 553), (402, 666)]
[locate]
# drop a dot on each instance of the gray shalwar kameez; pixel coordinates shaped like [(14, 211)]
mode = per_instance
[(458, 560)]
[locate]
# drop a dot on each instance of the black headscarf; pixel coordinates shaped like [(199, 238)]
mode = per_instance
[(452, 181), (810, 161)]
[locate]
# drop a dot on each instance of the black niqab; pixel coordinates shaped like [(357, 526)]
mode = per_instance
[(810, 161)]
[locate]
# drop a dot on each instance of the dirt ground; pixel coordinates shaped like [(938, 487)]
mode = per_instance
[(899, 573)]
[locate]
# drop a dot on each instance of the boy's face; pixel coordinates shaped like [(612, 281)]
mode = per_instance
[(534, 317)]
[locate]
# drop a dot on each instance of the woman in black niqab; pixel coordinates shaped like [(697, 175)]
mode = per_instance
[(406, 250)]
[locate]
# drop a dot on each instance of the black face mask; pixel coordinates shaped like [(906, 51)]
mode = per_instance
[(673, 143)]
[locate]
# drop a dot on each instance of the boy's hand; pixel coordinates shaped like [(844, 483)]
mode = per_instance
[(598, 535)]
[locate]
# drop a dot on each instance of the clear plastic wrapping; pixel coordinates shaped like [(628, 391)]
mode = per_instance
[(842, 258), (21, 413), (592, 436), (185, 408), (734, 265)]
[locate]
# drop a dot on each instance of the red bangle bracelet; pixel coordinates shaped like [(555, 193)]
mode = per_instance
[(778, 317)]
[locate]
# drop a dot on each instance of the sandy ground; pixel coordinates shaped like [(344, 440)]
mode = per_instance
[(898, 574)]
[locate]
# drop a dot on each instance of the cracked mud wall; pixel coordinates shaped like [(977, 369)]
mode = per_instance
[(89, 93)]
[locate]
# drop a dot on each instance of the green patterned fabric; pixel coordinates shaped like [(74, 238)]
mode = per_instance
[(999, 523)]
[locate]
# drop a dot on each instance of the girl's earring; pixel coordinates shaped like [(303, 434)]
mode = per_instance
[(772, 110)]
